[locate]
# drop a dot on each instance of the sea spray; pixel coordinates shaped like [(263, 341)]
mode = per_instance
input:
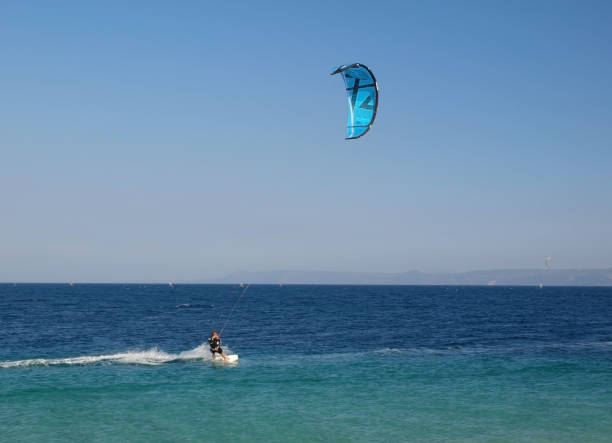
[(152, 356)]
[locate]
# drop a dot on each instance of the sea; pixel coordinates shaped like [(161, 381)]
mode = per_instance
[(130, 362)]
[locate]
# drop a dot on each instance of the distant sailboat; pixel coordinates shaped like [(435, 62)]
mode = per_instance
[(170, 284), (541, 285), (71, 284)]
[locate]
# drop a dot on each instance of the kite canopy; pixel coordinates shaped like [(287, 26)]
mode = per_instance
[(362, 94)]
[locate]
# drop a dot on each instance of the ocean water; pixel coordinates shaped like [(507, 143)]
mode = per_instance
[(317, 363)]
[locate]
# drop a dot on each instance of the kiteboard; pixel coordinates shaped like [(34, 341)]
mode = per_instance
[(232, 358)]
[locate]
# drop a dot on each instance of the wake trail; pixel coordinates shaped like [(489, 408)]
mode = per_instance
[(152, 357)]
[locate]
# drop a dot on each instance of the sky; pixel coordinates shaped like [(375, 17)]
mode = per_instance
[(181, 141)]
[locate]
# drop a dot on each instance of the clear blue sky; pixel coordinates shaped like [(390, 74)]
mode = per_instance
[(157, 141)]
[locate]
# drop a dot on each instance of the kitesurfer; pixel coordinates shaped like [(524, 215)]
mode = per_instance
[(215, 345)]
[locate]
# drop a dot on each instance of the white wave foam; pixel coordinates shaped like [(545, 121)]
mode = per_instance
[(506, 348), (390, 351), (474, 349), (151, 357)]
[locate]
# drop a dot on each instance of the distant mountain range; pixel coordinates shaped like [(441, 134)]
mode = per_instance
[(530, 277)]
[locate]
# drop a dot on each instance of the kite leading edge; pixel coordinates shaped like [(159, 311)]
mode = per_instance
[(362, 95)]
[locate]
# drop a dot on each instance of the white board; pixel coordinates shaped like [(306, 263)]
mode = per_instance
[(232, 358)]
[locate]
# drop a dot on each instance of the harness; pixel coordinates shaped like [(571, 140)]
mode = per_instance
[(214, 343)]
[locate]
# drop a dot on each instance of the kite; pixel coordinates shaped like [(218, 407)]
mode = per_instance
[(362, 95)]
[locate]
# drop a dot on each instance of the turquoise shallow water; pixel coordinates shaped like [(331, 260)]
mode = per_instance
[(397, 364)]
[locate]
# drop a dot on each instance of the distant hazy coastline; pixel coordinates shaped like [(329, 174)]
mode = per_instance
[(546, 277), (496, 277)]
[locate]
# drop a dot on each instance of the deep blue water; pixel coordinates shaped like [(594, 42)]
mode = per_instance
[(317, 363)]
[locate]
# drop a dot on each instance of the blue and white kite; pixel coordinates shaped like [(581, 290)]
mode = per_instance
[(362, 94)]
